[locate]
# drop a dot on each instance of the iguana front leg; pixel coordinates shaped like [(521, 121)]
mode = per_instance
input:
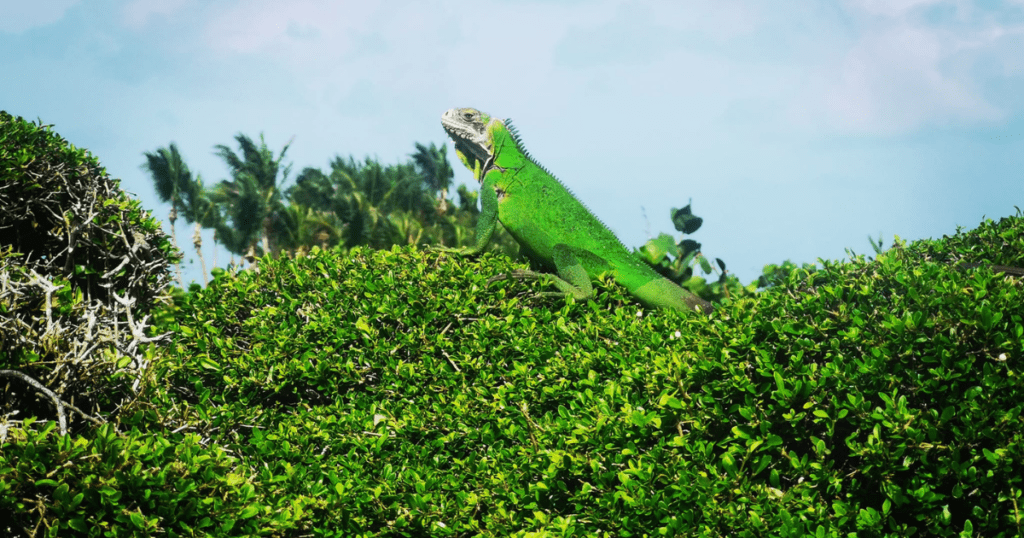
[(572, 278), (488, 219)]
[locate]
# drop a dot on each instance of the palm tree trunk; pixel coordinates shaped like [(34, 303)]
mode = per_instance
[(250, 256), (173, 217), (267, 238), (214, 248), (197, 241)]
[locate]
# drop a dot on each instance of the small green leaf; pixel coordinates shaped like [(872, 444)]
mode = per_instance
[(705, 265), (208, 363), (655, 250)]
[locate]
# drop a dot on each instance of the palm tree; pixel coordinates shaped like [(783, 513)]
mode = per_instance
[(302, 227), (201, 210), (173, 182), (435, 171), (382, 205), (252, 198), (360, 194)]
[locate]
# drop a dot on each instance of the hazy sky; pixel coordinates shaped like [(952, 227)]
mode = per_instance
[(798, 128)]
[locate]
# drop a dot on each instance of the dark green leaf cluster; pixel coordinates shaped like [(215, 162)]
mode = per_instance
[(128, 484), (81, 265), (677, 261)]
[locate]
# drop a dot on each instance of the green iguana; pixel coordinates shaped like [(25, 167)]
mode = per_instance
[(552, 227)]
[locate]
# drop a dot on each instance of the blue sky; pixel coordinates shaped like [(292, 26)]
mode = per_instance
[(796, 128)]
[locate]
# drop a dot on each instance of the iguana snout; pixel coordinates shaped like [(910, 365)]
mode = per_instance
[(467, 127)]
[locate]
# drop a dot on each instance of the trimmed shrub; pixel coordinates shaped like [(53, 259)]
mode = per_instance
[(397, 393), (106, 483), (81, 266)]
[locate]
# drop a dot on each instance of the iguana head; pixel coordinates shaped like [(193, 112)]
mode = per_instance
[(470, 130)]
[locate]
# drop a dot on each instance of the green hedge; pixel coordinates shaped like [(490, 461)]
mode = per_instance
[(398, 393), (127, 484)]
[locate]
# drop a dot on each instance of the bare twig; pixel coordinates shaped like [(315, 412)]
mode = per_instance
[(48, 289), (531, 425), (451, 362), (60, 404)]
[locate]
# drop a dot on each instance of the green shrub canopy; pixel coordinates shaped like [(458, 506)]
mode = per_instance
[(399, 393)]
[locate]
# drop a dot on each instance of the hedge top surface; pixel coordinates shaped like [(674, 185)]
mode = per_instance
[(396, 392)]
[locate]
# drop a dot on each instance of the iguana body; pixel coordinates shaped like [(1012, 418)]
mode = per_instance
[(552, 227)]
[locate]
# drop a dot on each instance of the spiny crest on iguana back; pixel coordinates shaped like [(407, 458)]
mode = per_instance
[(512, 130), (517, 139)]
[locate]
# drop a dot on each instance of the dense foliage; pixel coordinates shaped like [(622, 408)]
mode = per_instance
[(398, 393), (81, 266), (407, 393)]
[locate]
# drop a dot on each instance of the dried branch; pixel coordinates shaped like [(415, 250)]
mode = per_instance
[(57, 402)]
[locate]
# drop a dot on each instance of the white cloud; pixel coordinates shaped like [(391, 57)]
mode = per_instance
[(903, 72), (866, 66), (891, 8), (137, 13), (19, 16), (719, 20), (293, 30), (871, 67), (335, 50)]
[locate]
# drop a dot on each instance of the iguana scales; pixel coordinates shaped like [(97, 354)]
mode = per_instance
[(553, 228)]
